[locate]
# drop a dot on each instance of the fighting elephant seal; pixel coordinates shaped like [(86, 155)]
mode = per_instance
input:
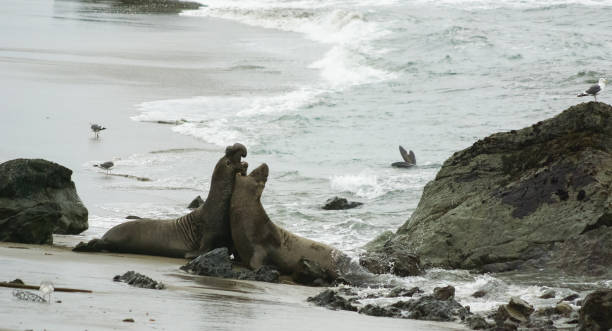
[(198, 232), (260, 242)]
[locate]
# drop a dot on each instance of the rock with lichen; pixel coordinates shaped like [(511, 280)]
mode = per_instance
[(538, 197)]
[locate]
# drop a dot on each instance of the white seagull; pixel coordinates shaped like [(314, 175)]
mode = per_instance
[(595, 89)]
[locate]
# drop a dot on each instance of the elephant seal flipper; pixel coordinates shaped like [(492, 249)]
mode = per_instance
[(205, 228), (409, 159)]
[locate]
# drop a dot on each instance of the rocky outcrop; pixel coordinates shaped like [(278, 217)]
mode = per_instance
[(38, 198), (596, 311), (535, 197)]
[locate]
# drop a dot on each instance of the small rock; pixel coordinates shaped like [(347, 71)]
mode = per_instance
[(337, 203), (215, 263), (444, 293), (505, 313), (398, 263), (331, 300), (521, 306), (403, 292), (548, 294), (570, 297), (196, 203), (479, 294), (564, 309), (431, 309), (138, 280), (129, 320), (373, 310), (476, 322), (267, 273)]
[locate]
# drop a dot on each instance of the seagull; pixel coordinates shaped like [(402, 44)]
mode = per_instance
[(46, 288), (106, 166), (595, 89), (96, 128)]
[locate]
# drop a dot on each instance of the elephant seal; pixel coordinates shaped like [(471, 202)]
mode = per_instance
[(200, 231), (260, 242), (409, 159)]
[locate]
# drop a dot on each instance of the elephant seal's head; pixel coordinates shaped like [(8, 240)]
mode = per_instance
[(231, 160), (227, 167), (250, 188)]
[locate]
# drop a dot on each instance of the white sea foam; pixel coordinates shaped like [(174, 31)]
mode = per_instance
[(344, 25), (487, 4), (370, 185), (364, 184), (222, 120)]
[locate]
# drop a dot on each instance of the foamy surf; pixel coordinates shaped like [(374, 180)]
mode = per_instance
[(352, 57)]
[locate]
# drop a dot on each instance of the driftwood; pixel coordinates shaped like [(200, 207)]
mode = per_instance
[(33, 287)]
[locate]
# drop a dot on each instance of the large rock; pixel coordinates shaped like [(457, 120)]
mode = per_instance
[(596, 311), (536, 197), (37, 198)]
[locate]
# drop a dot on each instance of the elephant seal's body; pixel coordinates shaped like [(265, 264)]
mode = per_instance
[(198, 232), (258, 241)]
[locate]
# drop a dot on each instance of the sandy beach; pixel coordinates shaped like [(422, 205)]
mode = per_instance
[(188, 303)]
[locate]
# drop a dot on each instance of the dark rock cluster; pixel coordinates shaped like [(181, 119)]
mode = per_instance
[(217, 263), (139, 280), (37, 199)]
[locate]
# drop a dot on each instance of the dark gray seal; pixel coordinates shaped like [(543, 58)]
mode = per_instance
[(409, 159), (198, 232), (260, 242)]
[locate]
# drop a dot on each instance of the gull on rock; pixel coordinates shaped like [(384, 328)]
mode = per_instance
[(595, 89)]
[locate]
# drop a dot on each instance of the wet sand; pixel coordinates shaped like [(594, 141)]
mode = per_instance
[(188, 303)]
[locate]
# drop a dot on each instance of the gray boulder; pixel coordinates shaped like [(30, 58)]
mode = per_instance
[(596, 311), (538, 197), (38, 198)]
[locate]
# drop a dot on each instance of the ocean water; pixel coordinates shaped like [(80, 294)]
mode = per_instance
[(432, 76)]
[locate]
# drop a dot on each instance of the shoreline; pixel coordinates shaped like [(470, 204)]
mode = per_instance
[(189, 302), (54, 89)]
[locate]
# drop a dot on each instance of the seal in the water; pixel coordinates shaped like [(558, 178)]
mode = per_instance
[(198, 232), (260, 242), (409, 159)]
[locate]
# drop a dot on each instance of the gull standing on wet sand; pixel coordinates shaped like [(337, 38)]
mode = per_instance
[(106, 166), (96, 128), (595, 89)]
